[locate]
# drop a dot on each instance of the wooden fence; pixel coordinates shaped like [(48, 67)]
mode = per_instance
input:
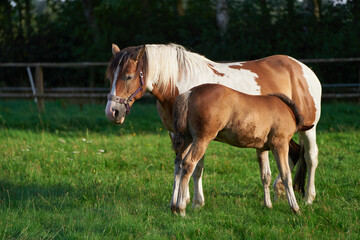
[(39, 93)]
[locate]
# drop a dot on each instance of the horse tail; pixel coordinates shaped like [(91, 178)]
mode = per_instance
[(298, 117), (296, 153), (300, 175), (180, 115)]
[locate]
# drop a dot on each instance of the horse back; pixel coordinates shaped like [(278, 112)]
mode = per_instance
[(242, 120), (285, 75)]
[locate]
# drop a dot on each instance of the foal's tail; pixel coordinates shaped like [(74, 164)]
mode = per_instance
[(180, 115), (298, 117), (296, 151)]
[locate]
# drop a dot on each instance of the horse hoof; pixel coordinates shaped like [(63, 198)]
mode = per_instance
[(295, 210), (309, 199), (268, 205), (197, 205)]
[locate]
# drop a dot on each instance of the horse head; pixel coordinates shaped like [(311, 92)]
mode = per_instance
[(126, 73)]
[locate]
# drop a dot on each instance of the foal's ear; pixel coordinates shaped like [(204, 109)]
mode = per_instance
[(115, 49)]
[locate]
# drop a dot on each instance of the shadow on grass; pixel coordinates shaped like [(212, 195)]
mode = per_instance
[(61, 116)]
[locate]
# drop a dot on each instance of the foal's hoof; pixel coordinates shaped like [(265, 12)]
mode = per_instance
[(268, 205), (181, 211), (296, 210), (173, 209)]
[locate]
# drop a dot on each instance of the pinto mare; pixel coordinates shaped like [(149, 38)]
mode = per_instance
[(169, 70), (215, 112)]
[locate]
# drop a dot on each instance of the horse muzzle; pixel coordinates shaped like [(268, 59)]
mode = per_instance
[(115, 112)]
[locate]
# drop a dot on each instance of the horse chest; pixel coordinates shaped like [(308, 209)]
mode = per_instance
[(165, 114)]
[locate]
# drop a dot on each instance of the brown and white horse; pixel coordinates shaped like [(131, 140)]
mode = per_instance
[(169, 70), (215, 112)]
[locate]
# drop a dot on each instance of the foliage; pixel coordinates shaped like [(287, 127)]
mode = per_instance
[(74, 175), (60, 31)]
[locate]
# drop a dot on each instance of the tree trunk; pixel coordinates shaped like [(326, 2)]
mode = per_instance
[(180, 8), (20, 35), (9, 35), (313, 7), (90, 18), (317, 4), (28, 19), (222, 16), (290, 9)]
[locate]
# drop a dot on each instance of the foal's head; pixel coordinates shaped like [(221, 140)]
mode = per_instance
[(126, 73)]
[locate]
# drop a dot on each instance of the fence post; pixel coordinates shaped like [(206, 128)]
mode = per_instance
[(39, 78)]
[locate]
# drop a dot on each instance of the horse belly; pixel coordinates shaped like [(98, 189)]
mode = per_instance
[(242, 139)]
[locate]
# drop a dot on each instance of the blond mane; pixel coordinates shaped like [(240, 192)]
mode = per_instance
[(170, 63)]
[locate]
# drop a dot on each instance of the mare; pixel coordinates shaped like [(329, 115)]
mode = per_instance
[(215, 112), (169, 70)]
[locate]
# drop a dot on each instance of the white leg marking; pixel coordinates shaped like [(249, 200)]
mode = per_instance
[(263, 158), (311, 159), (177, 175), (198, 200)]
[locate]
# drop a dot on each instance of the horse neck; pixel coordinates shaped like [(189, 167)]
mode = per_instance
[(164, 96)]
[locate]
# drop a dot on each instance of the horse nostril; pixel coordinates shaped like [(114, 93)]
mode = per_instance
[(116, 113)]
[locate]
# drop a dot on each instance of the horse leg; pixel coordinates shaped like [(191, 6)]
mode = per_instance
[(278, 185), (263, 159), (198, 200), (189, 163), (311, 159), (281, 155), (178, 160)]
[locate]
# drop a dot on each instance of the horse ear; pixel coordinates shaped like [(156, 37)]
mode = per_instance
[(140, 53), (115, 49)]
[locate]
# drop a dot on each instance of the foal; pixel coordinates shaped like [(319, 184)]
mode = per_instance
[(214, 112)]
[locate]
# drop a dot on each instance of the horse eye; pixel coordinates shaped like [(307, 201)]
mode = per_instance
[(129, 77)]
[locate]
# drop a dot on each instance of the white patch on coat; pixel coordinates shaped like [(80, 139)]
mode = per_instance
[(172, 65), (242, 80), (314, 87)]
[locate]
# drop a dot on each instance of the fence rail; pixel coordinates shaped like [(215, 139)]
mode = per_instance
[(39, 93)]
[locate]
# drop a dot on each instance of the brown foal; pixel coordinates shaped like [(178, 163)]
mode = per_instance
[(215, 112)]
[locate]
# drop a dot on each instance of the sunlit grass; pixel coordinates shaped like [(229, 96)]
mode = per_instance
[(70, 174)]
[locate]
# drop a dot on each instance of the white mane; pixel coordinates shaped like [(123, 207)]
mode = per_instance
[(170, 63)]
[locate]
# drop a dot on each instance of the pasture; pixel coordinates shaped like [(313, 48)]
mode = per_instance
[(69, 173)]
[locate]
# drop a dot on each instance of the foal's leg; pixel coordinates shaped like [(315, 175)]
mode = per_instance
[(263, 158), (311, 159), (178, 160), (281, 154), (278, 185), (189, 163), (198, 200)]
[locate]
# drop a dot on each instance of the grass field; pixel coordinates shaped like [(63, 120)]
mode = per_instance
[(70, 174)]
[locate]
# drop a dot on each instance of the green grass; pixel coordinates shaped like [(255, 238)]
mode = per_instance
[(70, 174)]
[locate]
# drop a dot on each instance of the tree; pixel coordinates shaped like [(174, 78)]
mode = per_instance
[(222, 16), (90, 18), (313, 7)]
